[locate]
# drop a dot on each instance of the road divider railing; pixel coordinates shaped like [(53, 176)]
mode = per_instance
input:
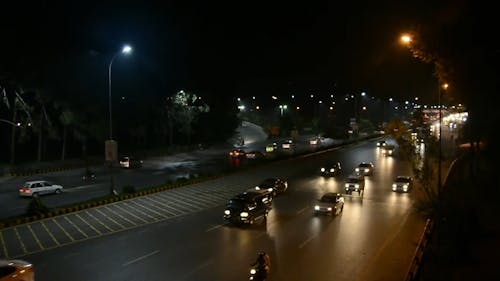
[(413, 270)]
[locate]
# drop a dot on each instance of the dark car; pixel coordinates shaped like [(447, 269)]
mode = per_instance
[(248, 207), (130, 162), (381, 143), (255, 154), (331, 169), (274, 185), (330, 203), (237, 153), (365, 168), (388, 150)]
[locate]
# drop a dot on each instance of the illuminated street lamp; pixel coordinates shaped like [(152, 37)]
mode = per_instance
[(445, 87), (408, 40), (125, 50)]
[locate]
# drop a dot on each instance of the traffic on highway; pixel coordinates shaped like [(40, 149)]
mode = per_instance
[(186, 234)]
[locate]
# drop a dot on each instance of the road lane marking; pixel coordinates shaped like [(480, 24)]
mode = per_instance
[(63, 230), (306, 241), (165, 206), (20, 241), (149, 209), (98, 221), (140, 258), (196, 269), (110, 218), (118, 214), (50, 234), (76, 227), (91, 226), (6, 254), (214, 227), (128, 212), (302, 210), (73, 189), (36, 237)]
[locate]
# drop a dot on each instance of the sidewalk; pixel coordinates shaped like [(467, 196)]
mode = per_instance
[(466, 242)]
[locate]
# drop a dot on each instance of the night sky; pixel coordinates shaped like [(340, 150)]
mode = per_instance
[(233, 48)]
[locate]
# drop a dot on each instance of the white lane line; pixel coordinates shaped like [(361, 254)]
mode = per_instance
[(214, 227), (302, 210), (140, 258), (73, 189), (307, 241), (196, 269)]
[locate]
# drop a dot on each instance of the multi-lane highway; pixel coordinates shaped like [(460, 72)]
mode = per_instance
[(155, 171), (180, 234)]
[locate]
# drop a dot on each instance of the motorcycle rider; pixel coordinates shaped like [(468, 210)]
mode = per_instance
[(262, 264)]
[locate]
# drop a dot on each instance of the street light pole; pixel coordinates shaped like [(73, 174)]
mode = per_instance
[(111, 149), (445, 86), (125, 50)]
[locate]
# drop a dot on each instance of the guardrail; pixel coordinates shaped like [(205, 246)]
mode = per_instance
[(413, 270)]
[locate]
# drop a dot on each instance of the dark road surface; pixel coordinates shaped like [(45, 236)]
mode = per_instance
[(180, 234)]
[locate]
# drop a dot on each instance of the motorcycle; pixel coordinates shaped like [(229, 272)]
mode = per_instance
[(89, 175), (256, 274)]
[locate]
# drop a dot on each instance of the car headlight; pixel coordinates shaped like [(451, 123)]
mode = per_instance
[(356, 185), (257, 188), (346, 185), (316, 208), (270, 189), (244, 214), (394, 188), (329, 208), (394, 185), (253, 271), (322, 169), (367, 170), (227, 212), (332, 170), (405, 186), (357, 169)]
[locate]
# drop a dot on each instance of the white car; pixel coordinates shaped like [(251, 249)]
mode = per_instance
[(402, 184), (36, 188)]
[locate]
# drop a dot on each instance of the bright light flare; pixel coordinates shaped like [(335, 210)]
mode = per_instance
[(126, 49)]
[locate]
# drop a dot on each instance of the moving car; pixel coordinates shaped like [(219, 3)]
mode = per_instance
[(355, 183), (287, 145), (248, 207), (381, 143), (388, 150), (36, 188), (130, 162), (272, 147), (16, 270), (331, 169), (365, 168), (329, 203), (402, 184), (274, 185), (254, 154), (237, 153)]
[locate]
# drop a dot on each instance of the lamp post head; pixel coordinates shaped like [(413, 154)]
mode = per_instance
[(406, 39), (126, 49)]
